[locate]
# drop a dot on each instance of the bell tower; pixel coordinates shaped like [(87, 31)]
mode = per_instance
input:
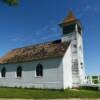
[(72, 31)]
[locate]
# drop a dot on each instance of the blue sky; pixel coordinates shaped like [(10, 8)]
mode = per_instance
[(36, 21)]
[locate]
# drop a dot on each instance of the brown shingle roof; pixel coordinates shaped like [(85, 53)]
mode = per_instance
[(35, 52), (70, 19)]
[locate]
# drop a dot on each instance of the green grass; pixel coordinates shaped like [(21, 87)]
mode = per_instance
[(47, 94)]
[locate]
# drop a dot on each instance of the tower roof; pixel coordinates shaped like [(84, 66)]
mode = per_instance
[(69, 19)]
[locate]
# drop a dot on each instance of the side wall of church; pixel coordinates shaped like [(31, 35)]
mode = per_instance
[(52, 74), (67, 68)]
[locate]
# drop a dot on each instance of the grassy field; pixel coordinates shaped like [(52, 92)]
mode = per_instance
[(47, 94)]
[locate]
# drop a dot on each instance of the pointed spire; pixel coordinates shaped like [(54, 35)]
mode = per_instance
[(70, 17)]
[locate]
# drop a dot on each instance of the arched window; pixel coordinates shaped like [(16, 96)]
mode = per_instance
[(39, 70), (3, 72), (19, 71)]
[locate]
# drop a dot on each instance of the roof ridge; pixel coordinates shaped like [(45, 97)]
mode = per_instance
[(28, 46)]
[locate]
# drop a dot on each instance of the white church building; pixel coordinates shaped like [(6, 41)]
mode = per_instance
[(55, 65)]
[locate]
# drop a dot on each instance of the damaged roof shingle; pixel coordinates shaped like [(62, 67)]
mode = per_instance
[(35, 52)]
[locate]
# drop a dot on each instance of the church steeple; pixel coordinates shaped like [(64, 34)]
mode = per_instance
[(72, 31)]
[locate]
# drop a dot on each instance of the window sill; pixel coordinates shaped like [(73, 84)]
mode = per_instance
[(3, 77), (38, 76), (18, 77)]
